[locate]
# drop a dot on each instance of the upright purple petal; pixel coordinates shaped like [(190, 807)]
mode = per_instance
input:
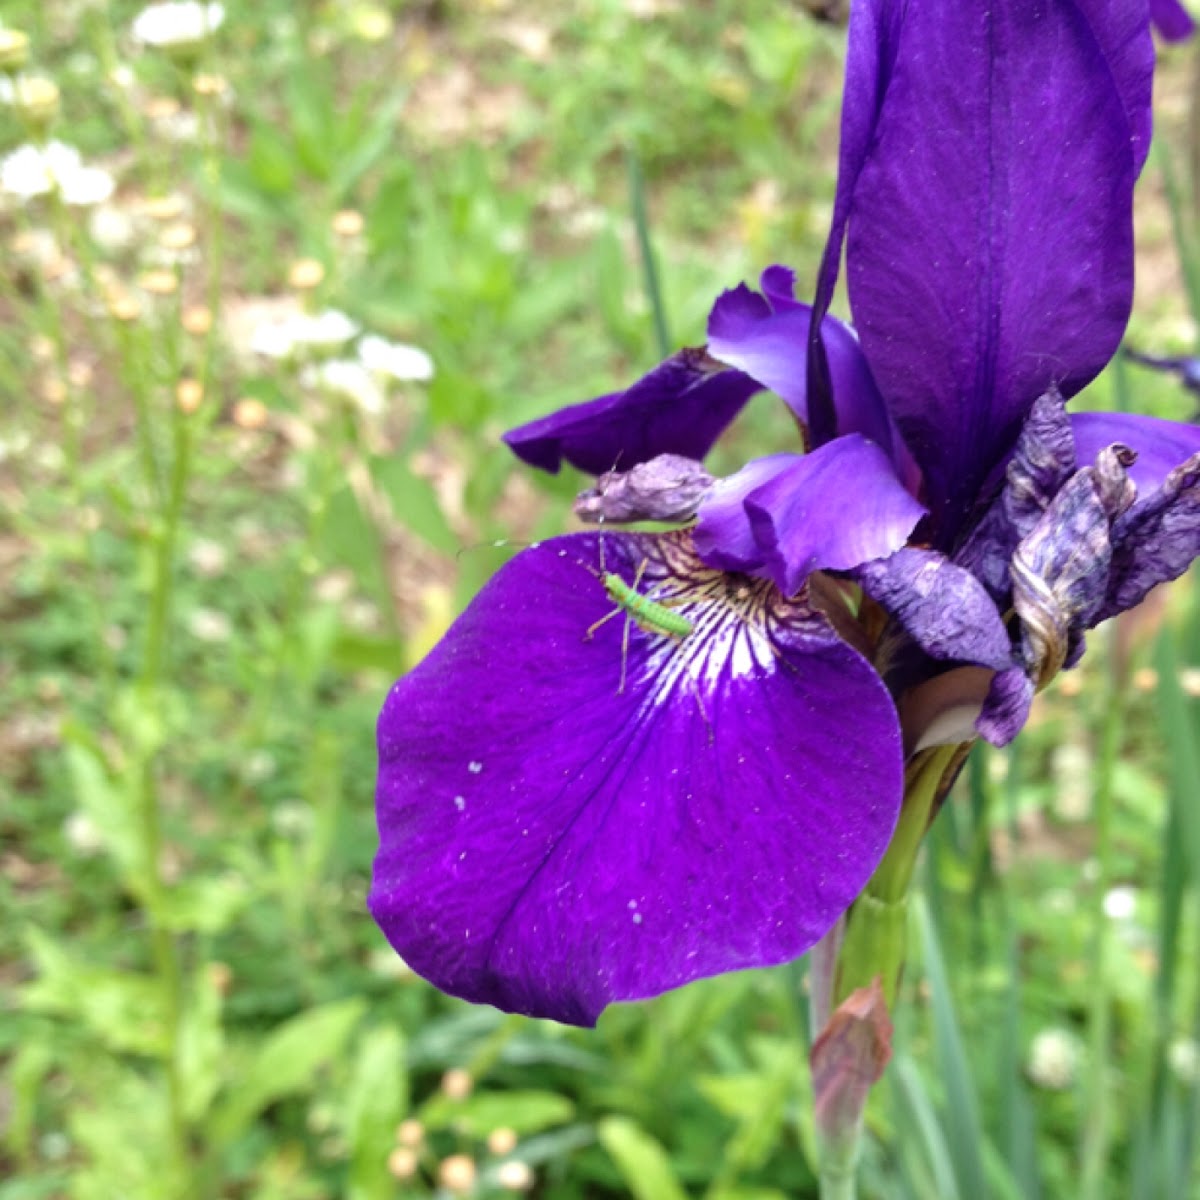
[(1160, 445), (833, 509), (1173, 22), (681, 407), (564, 825), (990, 250), (766, 337), (723, 535)]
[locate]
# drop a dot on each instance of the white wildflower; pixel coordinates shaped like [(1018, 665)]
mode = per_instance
[(348, 378), (177, 23), (209, 625), (285, 336), (1120, 903), (1053, 1060), (207, 558), (1183, 1055), (83, 835), (395, 359), (31, 171)]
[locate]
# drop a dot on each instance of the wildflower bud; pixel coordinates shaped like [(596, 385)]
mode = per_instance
[(196, 319), (306, 274), (206, 84), (847, 1060), (54, 390), (14, 50), (1053, 1060), (221, 976), (79, 373), (158, 283), (410, 1133), (123, 307), (1145, 679), (36, 98), (250, 413), (402, 1163), (177, 237), (457, 1083), (371, 23), (348, 223), (515, 1176), (163, 208), (1189, 681), (457, 1174), (502, 1141), (188, 395)]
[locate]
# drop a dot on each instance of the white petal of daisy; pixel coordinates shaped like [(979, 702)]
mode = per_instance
[(396, 359)]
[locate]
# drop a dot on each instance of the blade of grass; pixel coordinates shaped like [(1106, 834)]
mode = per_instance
[(641, 221)]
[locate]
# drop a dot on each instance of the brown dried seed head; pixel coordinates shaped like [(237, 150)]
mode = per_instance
[(306, 274), (188, 395), (457, 1174)]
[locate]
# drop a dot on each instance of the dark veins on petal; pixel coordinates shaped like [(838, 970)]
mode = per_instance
[(552, 841)]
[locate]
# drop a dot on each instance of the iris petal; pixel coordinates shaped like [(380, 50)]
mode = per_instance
[(551, 843), (1160, 445), (681, 407)]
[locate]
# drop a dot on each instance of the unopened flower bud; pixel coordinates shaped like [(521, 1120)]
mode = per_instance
[(667, 488), (37, 99), (410, 1133), (457, 1083), (515, 1176), (306, 274), (502, 1141), (14, 50), (189, 394), (348, 223), (402, 1162), (457, 1174)]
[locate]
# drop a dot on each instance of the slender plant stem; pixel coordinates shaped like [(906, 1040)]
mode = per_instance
[(1096, 1132), (641, 220), (839, 1180)]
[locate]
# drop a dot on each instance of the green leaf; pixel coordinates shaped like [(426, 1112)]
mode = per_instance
[(641, 1160), (377, 1099), (524, 1112), (414, 502), (201, 1044), (287, 1063)]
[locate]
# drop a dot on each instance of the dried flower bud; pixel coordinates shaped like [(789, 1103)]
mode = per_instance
[(158, 283), (177, 237), (163, 208), (196, 319), (667, 488)]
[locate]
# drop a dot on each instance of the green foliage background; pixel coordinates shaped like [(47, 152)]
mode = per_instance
[(203, 605)]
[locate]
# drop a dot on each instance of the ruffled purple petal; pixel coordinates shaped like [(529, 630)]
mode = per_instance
[(1006, 708), (1160, 445), (681, 407), (1156, 540), (833, 509), (990, 248), (1173, 22), (723, 536), (945, 610), (766, 337), (551, 842)]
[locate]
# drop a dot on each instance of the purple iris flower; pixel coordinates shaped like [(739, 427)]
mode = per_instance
[(1173, 22), (639, 759)]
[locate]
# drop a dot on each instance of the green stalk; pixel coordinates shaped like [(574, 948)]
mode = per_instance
[(1096, 1132), (641, 221)]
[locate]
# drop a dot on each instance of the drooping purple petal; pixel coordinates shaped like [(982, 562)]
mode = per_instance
[(1160, 445), (990, 249), (1156, 540), (681, 407), (1173, 22), (943, 608), (1006, 708), (551, 842), (766, 337), (833, 509)]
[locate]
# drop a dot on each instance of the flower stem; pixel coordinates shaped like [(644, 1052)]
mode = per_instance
[(839, 1179)]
